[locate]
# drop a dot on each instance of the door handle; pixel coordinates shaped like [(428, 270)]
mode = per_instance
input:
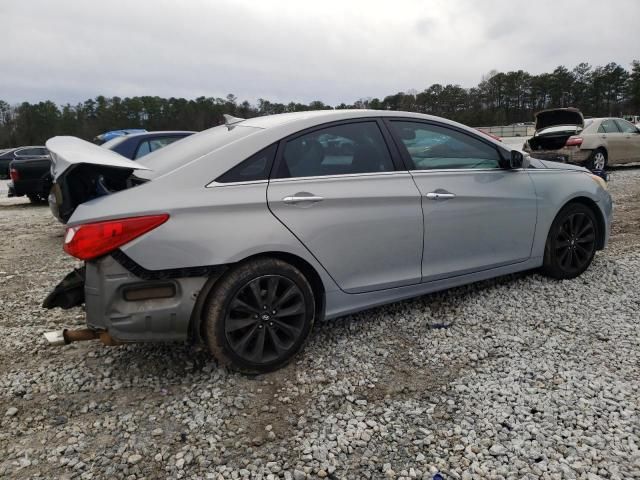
[(292, 200), (439, 196)]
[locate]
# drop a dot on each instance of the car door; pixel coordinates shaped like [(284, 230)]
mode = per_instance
[(338, 189), (630, 139), (614, 139), (477, 215)]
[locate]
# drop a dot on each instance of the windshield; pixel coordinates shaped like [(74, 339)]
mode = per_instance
[(191, 148)]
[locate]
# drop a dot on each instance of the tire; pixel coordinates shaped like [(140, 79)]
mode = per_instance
[(597, 160), (254, 338), (571, 243), (35, 199)]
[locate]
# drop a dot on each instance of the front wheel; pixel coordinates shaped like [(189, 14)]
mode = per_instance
[(259, 315), (571, 244)]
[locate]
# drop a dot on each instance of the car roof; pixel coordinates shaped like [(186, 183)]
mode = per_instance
[(324, 116), (240, 138)]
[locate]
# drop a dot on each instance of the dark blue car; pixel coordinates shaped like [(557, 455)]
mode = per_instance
[(105, 137), (136, 145)]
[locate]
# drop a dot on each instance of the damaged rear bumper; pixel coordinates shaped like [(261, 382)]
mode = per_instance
[(126, 306), (562, 155)]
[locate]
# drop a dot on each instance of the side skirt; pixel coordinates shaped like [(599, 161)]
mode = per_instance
[(340, 303)]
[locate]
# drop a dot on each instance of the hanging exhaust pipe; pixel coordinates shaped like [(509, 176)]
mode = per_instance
[(65, 337)]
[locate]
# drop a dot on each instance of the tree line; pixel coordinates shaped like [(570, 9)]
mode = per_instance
[(500, 98)]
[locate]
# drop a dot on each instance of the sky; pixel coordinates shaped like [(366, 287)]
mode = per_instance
[(330, 50)]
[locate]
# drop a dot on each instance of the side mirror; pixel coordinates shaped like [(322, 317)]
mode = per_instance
[(516, 160)]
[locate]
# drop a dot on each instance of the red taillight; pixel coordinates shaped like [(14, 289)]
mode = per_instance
[(573, 142), (13, 173), (92, 240)]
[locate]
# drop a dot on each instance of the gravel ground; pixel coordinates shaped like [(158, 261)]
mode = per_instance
[(515, 378)]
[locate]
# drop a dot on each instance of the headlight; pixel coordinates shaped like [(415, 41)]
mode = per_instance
[(599, 180)]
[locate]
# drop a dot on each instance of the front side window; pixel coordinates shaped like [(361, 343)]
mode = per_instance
[(432, 147), (626, 127), (339, 150)]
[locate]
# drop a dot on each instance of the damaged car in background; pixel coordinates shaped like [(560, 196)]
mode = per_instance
[(563, 135), (242, 236), (32, 177)]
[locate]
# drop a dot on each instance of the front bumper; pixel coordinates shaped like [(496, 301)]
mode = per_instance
[(605, 203), (130, 308)]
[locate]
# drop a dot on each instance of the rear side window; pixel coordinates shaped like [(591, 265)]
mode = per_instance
[(608, 126), (339, 150), (254, 168), (432, 147)]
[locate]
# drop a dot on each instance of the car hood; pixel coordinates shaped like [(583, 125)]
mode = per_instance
[(561, 166), (559, 116)]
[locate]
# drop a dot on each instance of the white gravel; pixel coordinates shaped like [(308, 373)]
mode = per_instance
[(531, 378)]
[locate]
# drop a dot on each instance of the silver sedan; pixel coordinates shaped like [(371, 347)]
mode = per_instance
[(243, 235)]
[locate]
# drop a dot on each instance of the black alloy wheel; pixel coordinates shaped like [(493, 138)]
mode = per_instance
[(259, 315), (572, 242), (265, 318)]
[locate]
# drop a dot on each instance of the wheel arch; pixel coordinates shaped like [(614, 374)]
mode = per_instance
[(196, 323), (603, 148)]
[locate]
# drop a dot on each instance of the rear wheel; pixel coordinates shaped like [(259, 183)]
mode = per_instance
[(259, 315), (597, 160), (571, 244)]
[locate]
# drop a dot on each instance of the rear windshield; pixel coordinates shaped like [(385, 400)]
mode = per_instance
[(114, 142), (190, 148)]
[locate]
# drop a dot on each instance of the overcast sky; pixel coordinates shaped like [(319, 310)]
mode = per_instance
[(335, 51)]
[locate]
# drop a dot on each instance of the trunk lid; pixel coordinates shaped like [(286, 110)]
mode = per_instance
[(559, 116), (82, 171)]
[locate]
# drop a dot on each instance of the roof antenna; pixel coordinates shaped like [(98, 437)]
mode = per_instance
[(230, 121)]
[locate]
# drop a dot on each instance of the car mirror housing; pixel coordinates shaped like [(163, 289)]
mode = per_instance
[(517, 160)]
